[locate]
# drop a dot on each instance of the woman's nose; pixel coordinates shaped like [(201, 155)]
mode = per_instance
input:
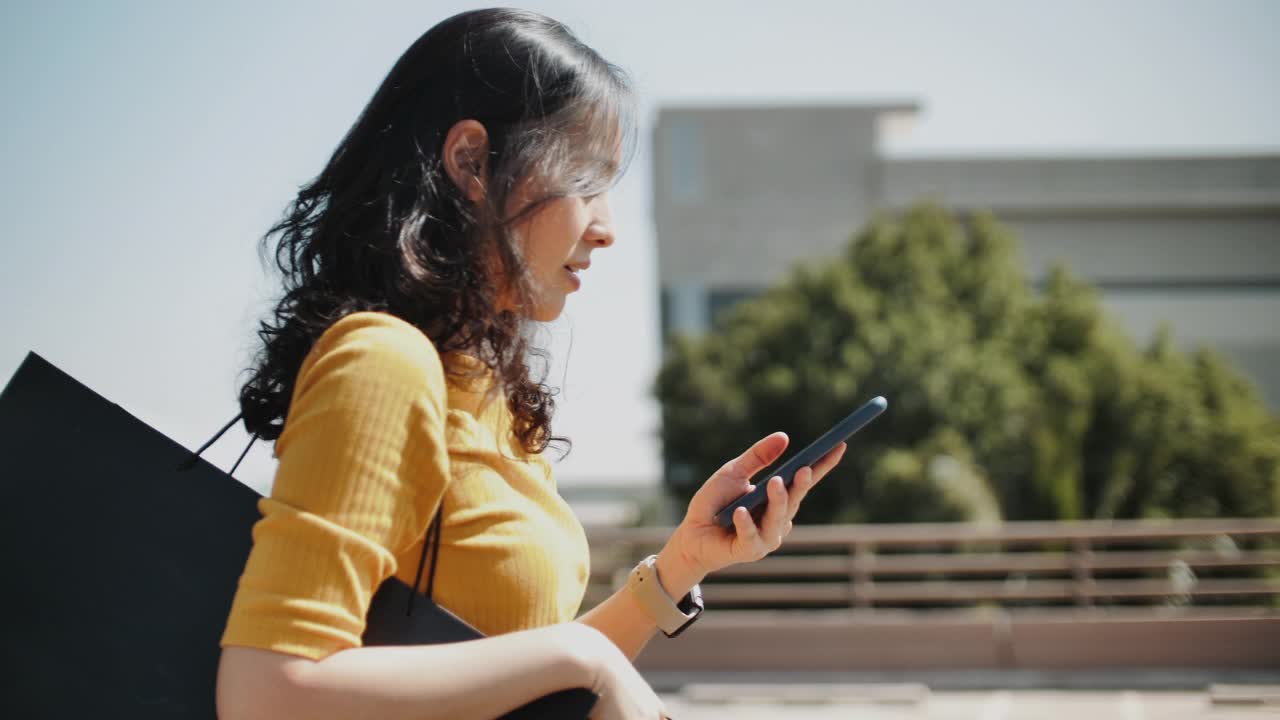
[(600, 234), (600, 230)]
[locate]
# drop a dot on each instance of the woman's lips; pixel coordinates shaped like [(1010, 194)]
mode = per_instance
[(574, 279)]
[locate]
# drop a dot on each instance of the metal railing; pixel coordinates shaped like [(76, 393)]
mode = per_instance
[(1076, 564)]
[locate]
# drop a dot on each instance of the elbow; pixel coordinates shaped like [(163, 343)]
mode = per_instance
[(257, 684)]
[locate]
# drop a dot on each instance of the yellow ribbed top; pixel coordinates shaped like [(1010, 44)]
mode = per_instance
[(373, 439)]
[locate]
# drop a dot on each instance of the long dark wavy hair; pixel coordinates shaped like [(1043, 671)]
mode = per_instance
[(384, 228)]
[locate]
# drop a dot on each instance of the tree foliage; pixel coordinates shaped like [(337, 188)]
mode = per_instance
[(1006, 401)]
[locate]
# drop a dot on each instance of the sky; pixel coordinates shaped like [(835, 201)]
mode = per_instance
[(146, 146)]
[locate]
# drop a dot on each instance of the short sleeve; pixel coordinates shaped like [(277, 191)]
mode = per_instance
[(362, 467)]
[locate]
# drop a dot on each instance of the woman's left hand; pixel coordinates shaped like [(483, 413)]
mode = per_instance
[(699, 546)]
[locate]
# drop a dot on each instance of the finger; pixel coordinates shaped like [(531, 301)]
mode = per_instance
[(757, 457), (806, 477), (803, 481), (776, 515), (748, 533), (731, 480), (829, 461)]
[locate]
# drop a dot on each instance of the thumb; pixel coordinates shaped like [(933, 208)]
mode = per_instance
[(732, 479), (759, 456)]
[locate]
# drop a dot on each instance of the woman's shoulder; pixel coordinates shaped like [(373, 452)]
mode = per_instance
[(378, 343)]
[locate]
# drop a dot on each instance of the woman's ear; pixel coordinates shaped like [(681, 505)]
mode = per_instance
[(466, 158)]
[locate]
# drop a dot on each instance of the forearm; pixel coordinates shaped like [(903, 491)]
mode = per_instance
[(622, 619), (476, 679)]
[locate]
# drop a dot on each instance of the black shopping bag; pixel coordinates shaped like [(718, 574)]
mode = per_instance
[(121, 568)]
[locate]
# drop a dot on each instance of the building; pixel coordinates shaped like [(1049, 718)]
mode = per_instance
[(742, 193)]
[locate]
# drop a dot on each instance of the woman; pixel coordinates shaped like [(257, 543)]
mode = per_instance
[(463, 204)]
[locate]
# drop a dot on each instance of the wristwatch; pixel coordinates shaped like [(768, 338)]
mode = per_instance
[(672, 618)]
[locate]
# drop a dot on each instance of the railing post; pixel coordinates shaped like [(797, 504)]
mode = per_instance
[(863, 559), (1082, 571)]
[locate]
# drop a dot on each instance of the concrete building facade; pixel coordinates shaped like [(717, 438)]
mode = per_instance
[(742, 193)]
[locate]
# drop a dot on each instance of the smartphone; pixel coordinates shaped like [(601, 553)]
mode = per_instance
[(756, 500)]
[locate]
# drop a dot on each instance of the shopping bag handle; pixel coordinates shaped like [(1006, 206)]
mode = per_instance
[(191, 461)]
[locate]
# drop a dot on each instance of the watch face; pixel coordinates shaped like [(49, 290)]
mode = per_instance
[(690, 605), (697, 612)]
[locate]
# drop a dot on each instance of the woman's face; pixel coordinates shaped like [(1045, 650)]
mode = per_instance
[(556, 242)]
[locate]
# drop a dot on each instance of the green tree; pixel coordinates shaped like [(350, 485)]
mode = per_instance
[(1005, 401)]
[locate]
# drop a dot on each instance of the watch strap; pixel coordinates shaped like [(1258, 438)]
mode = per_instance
[(671, 618)]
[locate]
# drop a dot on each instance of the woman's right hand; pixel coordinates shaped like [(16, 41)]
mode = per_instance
[(623, 693)]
